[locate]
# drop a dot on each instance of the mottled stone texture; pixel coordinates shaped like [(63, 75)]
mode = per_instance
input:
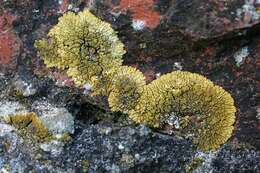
[(203, 36)]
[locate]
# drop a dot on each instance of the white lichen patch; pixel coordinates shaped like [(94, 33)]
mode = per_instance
[(4, 170), (5, 129), (9, 132), (241, 55), (208, 157), (138, 24), (249, 9), (55, 147), (56, 120), (11, 108), (25, 88)]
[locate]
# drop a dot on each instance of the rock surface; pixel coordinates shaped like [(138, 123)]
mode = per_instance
[(219, 39)]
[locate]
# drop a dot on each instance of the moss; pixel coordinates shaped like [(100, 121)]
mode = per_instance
[(30, 122), (83, 44), (184, 94), (126, 88)]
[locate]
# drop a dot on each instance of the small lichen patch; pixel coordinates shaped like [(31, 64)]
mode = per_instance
[(57, 120), (127, 86), (194, 164), (30, 123), (85, 165), (249, 12), (55, 147), (241, 55), (5, 128), (8, 108), (84, 45)]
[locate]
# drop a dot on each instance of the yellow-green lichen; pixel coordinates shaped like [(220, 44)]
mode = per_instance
[(30, 122), (82, 44), (89, 49), (194, 164), (85, 165), (182, 94), (126, 88)]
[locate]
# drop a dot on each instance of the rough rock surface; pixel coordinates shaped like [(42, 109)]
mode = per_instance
[(235, 159), (219, 39)]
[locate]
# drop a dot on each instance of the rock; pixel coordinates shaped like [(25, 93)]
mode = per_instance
[(127, 149), (232, 159), (209, 19)]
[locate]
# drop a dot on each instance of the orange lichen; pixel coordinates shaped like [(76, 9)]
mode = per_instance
[(142, 10), (6, 42), (7, 38)]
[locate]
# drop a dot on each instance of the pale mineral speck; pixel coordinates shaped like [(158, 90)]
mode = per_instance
[(258, 114), (249, 9), (138, 24), (241, 55), (87, 88), (177, 66)]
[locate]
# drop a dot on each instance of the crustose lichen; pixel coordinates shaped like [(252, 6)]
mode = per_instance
[(89, 49)]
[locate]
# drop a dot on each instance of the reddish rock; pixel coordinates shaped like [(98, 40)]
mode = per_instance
[(206, 19)]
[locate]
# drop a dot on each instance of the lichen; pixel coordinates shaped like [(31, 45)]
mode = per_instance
[(82, 44), (126, 88), (31, 123), (89, 49), (210, 107), (194, 164)]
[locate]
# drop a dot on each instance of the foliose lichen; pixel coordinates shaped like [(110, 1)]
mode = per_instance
[(82, 44), (30, 123), (210, 108), (91, 52), (126, 88)]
